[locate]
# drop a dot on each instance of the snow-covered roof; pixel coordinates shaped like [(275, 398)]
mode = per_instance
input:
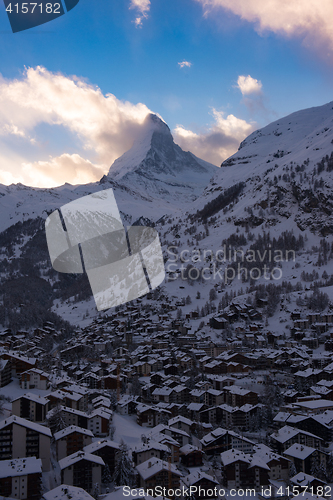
[(325, 418), (25, 423), (195, 477), (299, 451), (315, 404), (288, 417), (164, 428), (153, 466), (20, 467), (70, 430), (195, 406), (152, 445), (97, 445), (285, 433), (66, 492), (189, 448), (77, 457), (212, 436), (231, 456), (33, 397), (302, 479)]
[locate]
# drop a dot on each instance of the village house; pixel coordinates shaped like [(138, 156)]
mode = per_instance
[(81, 469), (201, 480), (191, 456), (303, 457), (34, 379), (155, 472), (242, 470), (20, 438), (21, 478), (105, 449), (31, 407), (150, 416), (148, 450), (70, 440), (286, 436)]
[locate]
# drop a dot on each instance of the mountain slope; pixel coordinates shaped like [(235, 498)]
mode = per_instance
[(275, 192), (280, 166)]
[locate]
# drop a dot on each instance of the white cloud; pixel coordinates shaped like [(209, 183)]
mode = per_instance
[(104, 125), (185, 64), (143, 8), (73, 168), (310, 19), (219, 141), (248, 85), (8, 178)]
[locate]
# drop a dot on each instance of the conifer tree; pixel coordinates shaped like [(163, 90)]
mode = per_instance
[(123, 474)]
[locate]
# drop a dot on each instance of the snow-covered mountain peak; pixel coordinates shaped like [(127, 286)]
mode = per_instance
[(155, 164), (152, 129)]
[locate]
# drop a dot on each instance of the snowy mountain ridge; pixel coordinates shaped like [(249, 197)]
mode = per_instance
[(153, 178)]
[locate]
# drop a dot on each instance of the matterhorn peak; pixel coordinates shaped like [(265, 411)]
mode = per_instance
[(157, 123), (156, 164)]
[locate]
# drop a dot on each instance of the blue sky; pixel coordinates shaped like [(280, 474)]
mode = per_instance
[(57, 123)]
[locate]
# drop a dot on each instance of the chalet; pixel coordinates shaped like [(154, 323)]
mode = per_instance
[(106, 449), (20, 438), (194, 410), (191, 456), (21, 478), (71, 440), (82, 469), (101, 401), (34, 379), (219, 322), (171, 443), (148, 450), (127, 405), (215, 442), (242, 470), (18, 363), (150, 416), (182, 423), (98, 421), (303, 457), (180, 436), (209, 415), (237, 396), (31, 407), (311, 375), (302, 479), (213, 397), (278, 465), (162, 394), (155, 472), (109, 382), (204, 483)]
